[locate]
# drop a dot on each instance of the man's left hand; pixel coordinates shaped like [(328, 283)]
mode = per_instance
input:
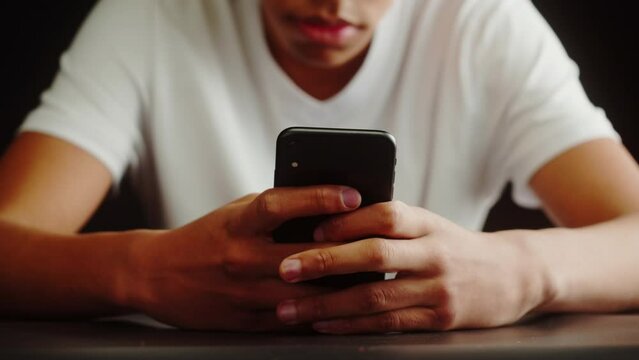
[(447, 277)]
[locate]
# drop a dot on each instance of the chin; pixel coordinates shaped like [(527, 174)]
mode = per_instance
[(324, 58)]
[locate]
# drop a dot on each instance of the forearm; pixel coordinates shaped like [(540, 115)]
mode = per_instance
[(593, 268), (44, 275)]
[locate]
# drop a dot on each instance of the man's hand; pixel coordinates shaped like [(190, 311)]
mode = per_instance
[(221, 271), (447, 277)]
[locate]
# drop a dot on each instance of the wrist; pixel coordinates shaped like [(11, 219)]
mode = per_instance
[(129, 289), (540, 287)]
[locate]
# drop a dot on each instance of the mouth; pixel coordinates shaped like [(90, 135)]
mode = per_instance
[(335, 33)]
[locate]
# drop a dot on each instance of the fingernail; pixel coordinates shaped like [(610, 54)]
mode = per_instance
[(318, 234), (291, 269), (351, 198), (287, 312)]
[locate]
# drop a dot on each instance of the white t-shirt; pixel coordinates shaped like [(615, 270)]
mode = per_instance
[(186, 96)]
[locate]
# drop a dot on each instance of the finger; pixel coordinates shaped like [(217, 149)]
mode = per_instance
[(377, 255), (393, 219), (360, 300), (259, 257), (275, 206), (266, 294), (408, 319)]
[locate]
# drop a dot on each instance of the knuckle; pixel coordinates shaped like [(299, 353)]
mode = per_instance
[(234, 261), (399, 207), (231, 267), (392, 213), (324, 198), (389, 321), (231, 224), (445, 312), (325, 261), (418, 319), (444, 318), (380, 252), (267, 204), (375, 299), (443, 295)]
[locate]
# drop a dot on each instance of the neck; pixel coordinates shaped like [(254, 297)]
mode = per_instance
[(320, 83)]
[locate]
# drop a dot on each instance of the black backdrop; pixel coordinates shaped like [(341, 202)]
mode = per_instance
[(600, 35)]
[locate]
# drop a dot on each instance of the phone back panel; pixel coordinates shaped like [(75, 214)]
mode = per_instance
[(362, 159)]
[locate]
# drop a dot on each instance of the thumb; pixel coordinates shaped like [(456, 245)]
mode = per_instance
[(275, 206)]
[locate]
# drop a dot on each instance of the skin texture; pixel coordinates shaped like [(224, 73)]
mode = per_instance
[(282, 20), (449, 277), (32, 165), (222, 271), (228, 257), (436, 287), (219, 272), (319, 69)]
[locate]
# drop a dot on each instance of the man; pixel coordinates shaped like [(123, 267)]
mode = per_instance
[(189, 96)]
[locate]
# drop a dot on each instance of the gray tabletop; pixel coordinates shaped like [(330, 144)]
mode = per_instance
[(551, 337)]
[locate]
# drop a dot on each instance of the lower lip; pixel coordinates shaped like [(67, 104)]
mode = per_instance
[(331, 35)]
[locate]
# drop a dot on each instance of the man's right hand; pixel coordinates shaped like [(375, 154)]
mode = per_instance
[(220, 272)]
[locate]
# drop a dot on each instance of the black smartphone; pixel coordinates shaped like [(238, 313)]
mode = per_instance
[(362, 159)]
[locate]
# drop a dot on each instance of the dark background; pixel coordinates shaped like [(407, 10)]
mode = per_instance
[(600, 35)]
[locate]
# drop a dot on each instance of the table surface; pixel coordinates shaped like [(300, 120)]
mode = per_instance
[(551, 337)]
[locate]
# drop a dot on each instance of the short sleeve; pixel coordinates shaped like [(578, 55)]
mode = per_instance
[(96, 99), (535, 96)]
